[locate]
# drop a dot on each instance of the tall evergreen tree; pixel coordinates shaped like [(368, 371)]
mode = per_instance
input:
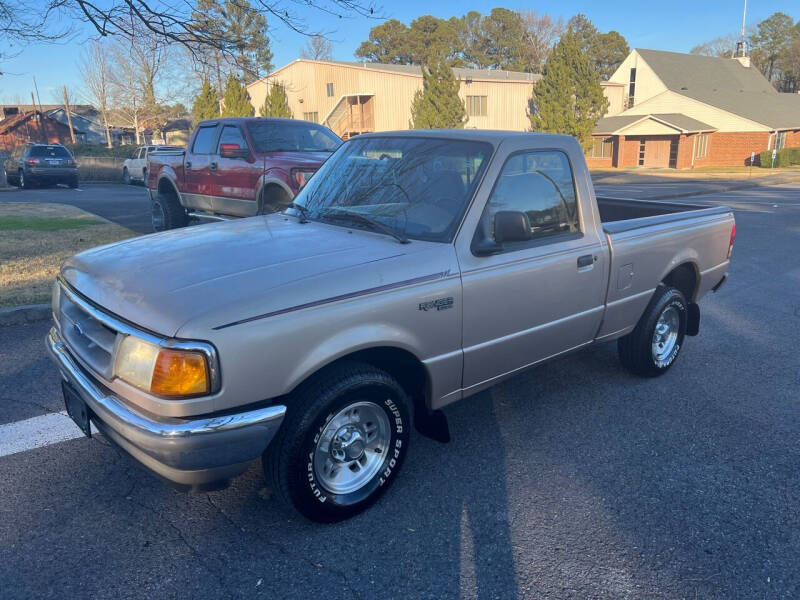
[(275, 104), (235, 101), (205, 103), (568, 99), (437, 105)]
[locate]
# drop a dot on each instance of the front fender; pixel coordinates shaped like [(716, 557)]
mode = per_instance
[(347, 342)]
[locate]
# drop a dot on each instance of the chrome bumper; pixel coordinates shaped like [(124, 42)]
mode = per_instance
[(197, 454)]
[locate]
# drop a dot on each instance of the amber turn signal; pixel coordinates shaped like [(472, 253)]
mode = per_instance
[(180, 373)]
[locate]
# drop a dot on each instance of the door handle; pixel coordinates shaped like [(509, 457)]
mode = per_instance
[(188, 165), (587, 260), (213, 166)]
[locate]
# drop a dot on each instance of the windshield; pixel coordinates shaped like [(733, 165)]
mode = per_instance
[(288, 136), (418, 187)]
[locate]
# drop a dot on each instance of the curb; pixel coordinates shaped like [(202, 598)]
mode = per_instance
[(20, 315), (722, 190)]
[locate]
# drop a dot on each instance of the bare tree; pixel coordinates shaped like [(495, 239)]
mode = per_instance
[(722, 46), (318, 47), (542, 32), (95, 71), (22, 21)]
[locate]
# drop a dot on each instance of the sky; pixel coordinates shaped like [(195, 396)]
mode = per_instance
[(677, 26)]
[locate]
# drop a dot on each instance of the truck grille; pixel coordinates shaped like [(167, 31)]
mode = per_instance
[(87, 338)]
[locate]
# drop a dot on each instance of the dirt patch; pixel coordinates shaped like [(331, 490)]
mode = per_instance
[(37, 238)]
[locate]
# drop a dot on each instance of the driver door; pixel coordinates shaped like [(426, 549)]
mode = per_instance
[(538, 298)]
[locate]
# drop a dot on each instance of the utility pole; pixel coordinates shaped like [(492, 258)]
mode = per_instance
[(69, 116), (41, 112), (42, 136)]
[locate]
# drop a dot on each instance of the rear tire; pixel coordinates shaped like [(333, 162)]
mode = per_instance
[(25, 183), (167, 213), (73, 183), (654, 344), (343, 441)]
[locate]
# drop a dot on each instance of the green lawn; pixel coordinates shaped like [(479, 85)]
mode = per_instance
[(15, 222)]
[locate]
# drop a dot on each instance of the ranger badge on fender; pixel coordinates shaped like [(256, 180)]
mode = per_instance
[(438, 304)]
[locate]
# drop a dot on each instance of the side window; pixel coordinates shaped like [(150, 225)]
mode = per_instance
[(141, 152), (204, 140), (541, 185), (231, 135)]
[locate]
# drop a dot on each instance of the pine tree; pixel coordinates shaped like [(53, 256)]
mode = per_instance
[(275, 104), (235, 101), (568, 98), (205, 103), (437, 105)]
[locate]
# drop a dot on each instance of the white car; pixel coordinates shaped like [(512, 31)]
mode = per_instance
[(134, 169)]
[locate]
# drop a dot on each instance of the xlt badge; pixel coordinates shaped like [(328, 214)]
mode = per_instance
[(438, 304)]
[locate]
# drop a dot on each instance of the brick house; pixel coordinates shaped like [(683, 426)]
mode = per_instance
[(686, 110), (32, 127)]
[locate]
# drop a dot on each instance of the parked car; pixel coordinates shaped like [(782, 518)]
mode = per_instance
[(134, 169), (414, 270), (236, 167), (44, 164)]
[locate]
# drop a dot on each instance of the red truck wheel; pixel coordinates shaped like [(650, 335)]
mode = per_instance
[(167, 213)]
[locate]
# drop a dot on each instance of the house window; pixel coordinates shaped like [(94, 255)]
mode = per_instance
[(701, 146), (641, 152), (476, 106), (329, 89), (311, 116), (780, 140), (632, 87), (602, 147)]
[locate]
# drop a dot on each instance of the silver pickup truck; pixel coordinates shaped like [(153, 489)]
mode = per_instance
[(413, 270)]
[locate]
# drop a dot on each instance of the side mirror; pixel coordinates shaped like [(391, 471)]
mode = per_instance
[(511, 226), (233, 151)]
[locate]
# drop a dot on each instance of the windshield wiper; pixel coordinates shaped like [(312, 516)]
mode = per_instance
[(375, 225), (302, 210)]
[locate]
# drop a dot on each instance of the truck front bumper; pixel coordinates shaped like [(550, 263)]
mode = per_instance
[(195, 454)]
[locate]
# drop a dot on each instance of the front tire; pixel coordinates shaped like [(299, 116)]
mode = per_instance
[(342, 443), (654, 344), (167, 213), (126, 176)]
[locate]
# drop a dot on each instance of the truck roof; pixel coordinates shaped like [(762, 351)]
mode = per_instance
[(493, 136), (249, 119)]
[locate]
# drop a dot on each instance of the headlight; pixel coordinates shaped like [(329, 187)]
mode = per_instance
[(162, 371)]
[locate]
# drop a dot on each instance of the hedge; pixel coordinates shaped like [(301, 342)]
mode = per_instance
[(79, 150), (783, 158)]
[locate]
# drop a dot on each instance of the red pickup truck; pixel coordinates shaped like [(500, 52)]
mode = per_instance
[(235, 167)]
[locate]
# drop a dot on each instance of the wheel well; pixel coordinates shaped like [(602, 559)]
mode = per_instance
[(684, 278), (400, 364), (165, 187), (273, 193)]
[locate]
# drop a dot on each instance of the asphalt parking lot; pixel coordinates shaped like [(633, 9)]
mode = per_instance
[(573, 480)]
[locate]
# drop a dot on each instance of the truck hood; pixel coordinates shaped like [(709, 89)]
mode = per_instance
[(221, 273)]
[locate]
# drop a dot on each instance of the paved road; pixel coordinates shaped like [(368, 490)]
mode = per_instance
[(574, 480), (124, 204)]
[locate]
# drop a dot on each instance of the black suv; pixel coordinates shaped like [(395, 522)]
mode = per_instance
[(42, 164)]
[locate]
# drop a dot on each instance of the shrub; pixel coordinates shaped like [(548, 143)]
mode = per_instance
[(79, 150), (783, 158)]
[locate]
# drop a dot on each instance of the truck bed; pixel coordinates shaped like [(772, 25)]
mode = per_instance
[(623, 214)]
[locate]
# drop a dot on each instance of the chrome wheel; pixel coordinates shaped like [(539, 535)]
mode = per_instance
[(665, 335), (352, 448), (157, 216), (22, 179)]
